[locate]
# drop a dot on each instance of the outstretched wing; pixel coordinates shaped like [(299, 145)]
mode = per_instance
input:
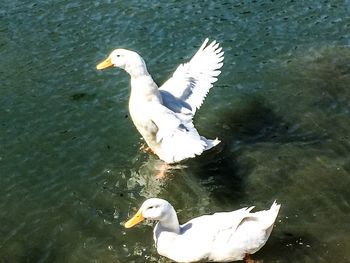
[(191, 81)]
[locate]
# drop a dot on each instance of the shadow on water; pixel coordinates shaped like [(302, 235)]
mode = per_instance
[(308, 108), (221, 170)]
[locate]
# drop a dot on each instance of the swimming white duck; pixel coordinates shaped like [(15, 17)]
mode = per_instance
[(221, 237), (163, 116)]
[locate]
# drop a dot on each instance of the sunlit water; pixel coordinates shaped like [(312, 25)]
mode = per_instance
[(71, 169)]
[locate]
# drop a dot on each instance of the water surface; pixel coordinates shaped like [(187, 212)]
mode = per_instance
[(70, 164)]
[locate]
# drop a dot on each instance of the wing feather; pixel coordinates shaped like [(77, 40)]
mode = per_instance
[(192, 81)]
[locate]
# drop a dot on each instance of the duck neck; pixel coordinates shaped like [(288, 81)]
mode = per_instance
[(137, 68), (170, 222), (143, 87)]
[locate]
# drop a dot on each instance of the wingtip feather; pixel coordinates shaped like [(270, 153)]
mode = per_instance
[(204, 44)]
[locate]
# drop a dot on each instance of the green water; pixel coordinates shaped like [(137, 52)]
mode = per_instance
[(71, 171)]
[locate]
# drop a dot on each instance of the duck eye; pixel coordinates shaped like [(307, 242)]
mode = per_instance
[(118, 56)]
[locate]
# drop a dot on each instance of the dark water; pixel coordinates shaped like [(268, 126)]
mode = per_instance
[(70, 165)]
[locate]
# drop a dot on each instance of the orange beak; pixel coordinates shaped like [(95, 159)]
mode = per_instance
[(137, 218), (105, 64)]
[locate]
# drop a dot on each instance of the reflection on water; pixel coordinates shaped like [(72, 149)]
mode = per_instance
[(71, 168)]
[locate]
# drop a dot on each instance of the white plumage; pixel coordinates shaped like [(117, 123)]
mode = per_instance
[(221, 237), (164, 115)]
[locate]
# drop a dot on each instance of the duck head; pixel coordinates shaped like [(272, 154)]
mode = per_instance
[(125, 59), (153, 209)]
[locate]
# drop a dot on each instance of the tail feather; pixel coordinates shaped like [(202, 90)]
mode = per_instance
[(183, 145), (210, 143), (275, 208), (268, 217)]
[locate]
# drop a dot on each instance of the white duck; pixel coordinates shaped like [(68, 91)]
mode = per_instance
[(163, 116), (221, 237)]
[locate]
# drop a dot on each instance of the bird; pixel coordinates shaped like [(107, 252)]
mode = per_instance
[(164, 115), (220, 237)]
